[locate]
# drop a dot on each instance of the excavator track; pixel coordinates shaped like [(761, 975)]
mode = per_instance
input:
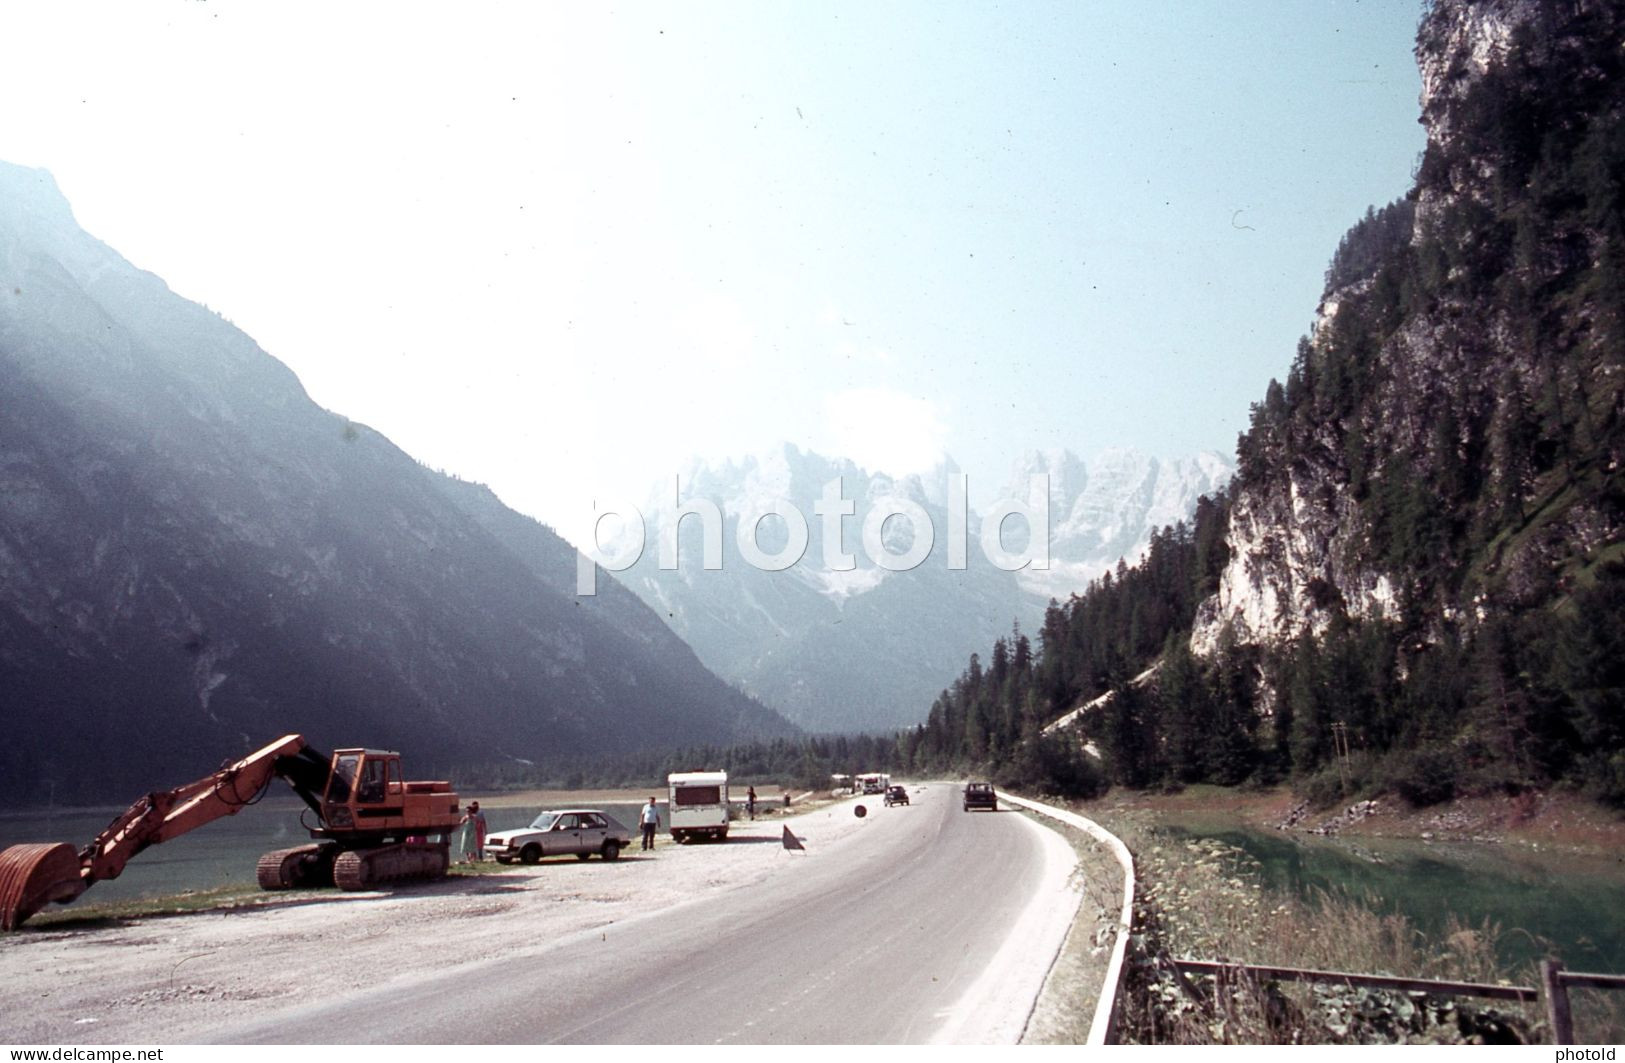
[(34, 875), (302, 867), (360, 869)]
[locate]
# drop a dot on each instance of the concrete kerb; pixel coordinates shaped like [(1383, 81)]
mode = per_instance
[(1102, 1027)]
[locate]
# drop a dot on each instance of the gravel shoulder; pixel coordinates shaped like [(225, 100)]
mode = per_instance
[(171, 979)]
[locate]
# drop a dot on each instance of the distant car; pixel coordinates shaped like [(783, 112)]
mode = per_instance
[(980, 795), (896, 795), (578, 832)]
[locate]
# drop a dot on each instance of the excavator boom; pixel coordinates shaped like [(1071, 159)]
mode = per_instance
[(32, 876), (374, 827), (167, 814)]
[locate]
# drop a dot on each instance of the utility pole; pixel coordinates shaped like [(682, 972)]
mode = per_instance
[(1340, 744)]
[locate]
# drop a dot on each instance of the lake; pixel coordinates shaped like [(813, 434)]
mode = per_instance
[(1574, 903)]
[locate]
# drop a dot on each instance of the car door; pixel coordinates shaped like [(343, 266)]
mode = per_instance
[(594, 830), (567, 834)]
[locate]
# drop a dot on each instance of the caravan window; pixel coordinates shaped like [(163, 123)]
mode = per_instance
[(698, 795)]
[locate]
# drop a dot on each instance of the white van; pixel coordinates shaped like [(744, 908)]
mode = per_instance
[(698, 805), (874, 782)]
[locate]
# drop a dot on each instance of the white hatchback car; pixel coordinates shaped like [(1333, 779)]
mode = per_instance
[(578, 832)]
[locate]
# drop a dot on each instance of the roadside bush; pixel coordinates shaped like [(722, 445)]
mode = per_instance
[(1606, 776), (1326, 788), (1423, 777), (1053, 764), (1067, 770)]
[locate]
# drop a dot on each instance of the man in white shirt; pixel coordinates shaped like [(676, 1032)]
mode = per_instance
[(650, 819)]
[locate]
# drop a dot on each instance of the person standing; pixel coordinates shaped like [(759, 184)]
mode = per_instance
[(650, 819), (750, 802), (476, 822)]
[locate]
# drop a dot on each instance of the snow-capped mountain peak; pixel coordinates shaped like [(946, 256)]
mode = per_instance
[(858, 645)]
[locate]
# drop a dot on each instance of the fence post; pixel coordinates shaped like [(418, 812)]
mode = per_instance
[(1557, 1002)]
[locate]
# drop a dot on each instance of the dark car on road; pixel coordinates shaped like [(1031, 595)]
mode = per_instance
[(896, 795), (980, 795)]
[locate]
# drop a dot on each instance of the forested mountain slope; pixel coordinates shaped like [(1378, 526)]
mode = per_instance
[(1422, 546)]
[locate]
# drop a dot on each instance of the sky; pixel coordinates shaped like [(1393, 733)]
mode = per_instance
[(561, 249)]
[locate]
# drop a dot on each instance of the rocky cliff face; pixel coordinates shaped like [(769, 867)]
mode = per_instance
[(1448, 443), (194, 557)]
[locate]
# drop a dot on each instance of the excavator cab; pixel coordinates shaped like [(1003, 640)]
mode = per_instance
[(365, 793), (368, 774)]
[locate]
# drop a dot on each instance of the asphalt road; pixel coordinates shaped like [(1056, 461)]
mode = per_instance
[(930, 924)]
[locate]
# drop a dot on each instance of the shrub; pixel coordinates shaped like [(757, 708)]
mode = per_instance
[(1326, 788), (1054, 764), (1423, 776)]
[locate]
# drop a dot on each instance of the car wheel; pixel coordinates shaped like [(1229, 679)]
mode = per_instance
[(582, 856), (531, 853), (612, 850)]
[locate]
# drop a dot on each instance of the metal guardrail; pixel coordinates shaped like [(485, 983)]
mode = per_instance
[(1103, 1028), (1223, 970), (1557, 982), (1555, 985)]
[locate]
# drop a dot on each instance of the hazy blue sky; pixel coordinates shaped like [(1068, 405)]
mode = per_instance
[(560, 248)]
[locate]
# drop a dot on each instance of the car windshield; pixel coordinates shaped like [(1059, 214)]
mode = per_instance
[(544, 821)]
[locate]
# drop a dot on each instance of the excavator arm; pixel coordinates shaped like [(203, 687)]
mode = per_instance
[(32, 876)]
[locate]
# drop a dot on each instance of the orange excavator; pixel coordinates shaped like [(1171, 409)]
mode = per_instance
[(372, 827)]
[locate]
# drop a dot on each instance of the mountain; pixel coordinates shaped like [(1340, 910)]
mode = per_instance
[(1447, 446), (866, 649), (1425, 542), (196, 557), (1106, 510), (834, 650), (1415, 582)]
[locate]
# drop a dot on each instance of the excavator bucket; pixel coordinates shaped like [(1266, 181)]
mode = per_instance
[(32, 876)]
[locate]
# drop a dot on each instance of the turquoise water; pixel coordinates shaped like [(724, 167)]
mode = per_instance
[(1544, 902), (222, 853)]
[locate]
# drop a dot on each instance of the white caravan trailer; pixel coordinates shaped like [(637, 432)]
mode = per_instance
[(698, 805), (874, 782)]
